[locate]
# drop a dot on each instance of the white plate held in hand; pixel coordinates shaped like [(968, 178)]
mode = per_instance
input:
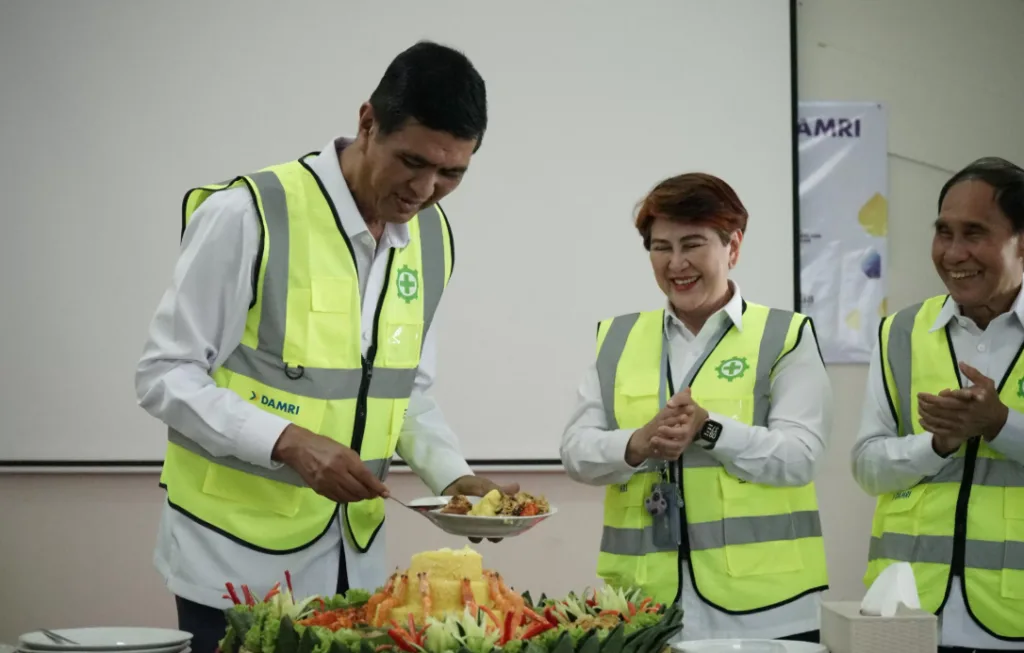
[(478, 526), (107, 639)]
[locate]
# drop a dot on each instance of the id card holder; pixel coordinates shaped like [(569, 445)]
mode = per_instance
[(663, 505)]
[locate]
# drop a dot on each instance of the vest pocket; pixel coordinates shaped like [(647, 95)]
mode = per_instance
[(757, 530), (636, 396), (624, 513), (731, 408), (402, 343), (632, 494), (252, 491), (330, 295), (619, 571), (332, 309), (902, 513), (1013, 560)]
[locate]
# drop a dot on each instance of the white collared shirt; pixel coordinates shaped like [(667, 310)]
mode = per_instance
[(883, 462), (198, 323), (786, 452)]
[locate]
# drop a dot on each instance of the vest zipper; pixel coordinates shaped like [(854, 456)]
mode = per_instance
[(960, 519), (359, 425), (676, 469)]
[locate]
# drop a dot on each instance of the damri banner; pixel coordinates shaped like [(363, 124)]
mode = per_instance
[(843, 224)]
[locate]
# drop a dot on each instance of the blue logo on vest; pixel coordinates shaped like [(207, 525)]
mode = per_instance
[(275, 404)]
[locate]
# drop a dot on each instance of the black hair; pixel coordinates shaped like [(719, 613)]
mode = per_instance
[(1006, 178), (436, 86)]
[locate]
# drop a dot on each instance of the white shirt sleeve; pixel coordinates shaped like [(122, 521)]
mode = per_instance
[(882, 461), (788, 450), (426, 443), (1010, 441), (591, 452), (198, 323)]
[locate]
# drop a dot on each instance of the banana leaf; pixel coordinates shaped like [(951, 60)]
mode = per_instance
[(287, 638), (589, 643), (615, 640), (308, 641)]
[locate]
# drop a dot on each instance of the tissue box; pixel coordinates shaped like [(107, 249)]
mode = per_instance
[(845, 630)]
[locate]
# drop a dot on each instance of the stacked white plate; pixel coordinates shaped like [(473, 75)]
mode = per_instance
[(747, 646), (107, 640)]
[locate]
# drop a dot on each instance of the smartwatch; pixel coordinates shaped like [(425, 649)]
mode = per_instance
[(708, 435)]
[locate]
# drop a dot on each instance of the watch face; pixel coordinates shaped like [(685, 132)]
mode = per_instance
[(711, 431)]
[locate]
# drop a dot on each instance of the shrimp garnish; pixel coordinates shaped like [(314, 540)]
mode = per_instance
[(397, 597), (378, 598), (428, 606), (517, 603), (494, 590), (511, 597), (468, 599)]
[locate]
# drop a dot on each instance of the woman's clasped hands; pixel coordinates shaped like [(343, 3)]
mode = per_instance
[(669, 433)]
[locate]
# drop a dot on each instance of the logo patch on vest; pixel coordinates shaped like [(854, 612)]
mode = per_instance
[(904, 494), (407, 282), (732, 368), (1020, 388), (275, 404)]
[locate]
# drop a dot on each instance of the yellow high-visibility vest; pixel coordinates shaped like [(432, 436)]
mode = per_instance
[(301, 358), (968, 519), (751, 546)]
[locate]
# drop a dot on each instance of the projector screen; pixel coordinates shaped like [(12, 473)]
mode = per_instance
[(113, 109)]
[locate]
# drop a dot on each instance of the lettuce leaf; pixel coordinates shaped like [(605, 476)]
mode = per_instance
[(229, 643), (253, 641), (349, 639), (268, 639), (514, 646), (357, 597), (351, 599)]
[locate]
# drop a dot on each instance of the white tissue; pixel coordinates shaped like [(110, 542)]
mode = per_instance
[(895, 585)]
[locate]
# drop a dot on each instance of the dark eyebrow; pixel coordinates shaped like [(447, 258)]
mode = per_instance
[(692, 238), (417, 159), (971, 224), (420, 161)]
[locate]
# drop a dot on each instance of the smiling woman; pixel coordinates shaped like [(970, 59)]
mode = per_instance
[(739, 390), (693, 225)]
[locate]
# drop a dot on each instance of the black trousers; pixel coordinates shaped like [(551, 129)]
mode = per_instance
[(206, 624), (810, 636)]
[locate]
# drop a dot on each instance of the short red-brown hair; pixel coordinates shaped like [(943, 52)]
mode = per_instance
[(693, 198)]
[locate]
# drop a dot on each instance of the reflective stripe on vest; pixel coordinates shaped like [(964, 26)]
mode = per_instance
[(266, 368), (737, 538), (968, 519)]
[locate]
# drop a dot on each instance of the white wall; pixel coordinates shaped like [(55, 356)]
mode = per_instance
[(85, 92), (948, 71)]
